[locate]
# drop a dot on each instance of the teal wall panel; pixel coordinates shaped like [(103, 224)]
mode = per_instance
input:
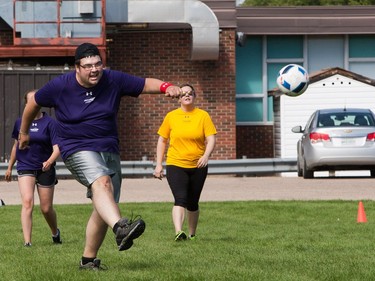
[(249, 66)]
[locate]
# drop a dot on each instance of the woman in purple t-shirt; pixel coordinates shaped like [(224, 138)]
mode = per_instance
[(36, 167)]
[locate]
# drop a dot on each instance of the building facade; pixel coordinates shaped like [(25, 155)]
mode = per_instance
[(230, 54), (174, 52), (314, 37)]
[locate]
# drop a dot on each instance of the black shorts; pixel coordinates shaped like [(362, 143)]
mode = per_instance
[(43, 178)]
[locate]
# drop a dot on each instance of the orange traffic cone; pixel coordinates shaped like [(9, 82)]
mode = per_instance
[(361, 217)]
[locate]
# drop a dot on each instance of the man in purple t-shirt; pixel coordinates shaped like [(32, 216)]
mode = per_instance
[(86, 103)]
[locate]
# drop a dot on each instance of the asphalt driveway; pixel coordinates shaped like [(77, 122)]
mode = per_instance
[(219, 188)]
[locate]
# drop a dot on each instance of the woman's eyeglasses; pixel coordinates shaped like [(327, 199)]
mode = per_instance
[(189, 94), (88, 66)]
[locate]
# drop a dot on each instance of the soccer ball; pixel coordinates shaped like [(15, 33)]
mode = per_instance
[(292, 80)]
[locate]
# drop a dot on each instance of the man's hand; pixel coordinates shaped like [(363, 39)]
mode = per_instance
[(173, 92), (23, 141)]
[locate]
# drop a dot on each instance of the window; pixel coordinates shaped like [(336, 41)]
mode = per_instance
[(258, 62)]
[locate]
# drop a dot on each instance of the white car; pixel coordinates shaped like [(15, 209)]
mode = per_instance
[(336, 139)]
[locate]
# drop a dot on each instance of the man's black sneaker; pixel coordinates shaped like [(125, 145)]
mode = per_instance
[(94, 265), (128, 231), (57, 238)]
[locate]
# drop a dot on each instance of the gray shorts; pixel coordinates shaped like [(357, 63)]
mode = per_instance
[(88, 166)]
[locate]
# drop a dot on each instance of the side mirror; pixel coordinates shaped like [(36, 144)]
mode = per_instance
[(297, 129)]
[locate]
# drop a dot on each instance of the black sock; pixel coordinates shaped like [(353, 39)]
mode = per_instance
[(115, 227), (87, 260)]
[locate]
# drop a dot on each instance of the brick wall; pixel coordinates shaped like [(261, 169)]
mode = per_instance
[(255, 142), (6, 37), (166, 55)]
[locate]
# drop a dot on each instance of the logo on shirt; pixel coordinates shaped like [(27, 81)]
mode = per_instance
[(34, 127), (89, 98)]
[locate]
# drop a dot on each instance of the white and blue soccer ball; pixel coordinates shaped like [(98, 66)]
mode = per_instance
[(292, 80)]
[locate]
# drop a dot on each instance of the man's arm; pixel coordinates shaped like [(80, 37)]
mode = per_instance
[(29, 113), (154, 86)]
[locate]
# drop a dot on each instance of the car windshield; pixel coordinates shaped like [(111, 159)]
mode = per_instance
[(345, 119)]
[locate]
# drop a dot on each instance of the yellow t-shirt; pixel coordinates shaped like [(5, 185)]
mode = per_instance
[(186, 132)]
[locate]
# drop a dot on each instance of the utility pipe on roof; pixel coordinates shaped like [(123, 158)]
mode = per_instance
[(203, 21)]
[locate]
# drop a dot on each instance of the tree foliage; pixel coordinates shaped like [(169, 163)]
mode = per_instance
[(307, 3)]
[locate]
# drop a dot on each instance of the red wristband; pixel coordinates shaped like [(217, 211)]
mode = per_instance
[(164, 87)]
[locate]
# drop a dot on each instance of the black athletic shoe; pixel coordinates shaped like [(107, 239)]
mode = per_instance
[(128, 231), (180, 236), (94, 265), (57, 239)]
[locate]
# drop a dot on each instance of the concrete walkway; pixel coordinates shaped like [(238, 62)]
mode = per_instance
[(217, 188)]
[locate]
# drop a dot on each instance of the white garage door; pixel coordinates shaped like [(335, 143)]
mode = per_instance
[(334, 91)]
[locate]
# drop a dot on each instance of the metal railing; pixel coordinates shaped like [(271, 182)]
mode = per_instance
[(243, 167)]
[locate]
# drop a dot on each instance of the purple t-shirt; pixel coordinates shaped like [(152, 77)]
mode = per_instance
[(42, 138), (87, 117)]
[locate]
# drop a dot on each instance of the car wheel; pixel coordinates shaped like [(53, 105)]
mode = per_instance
[(299, 169), (372, 173), (307, 174)]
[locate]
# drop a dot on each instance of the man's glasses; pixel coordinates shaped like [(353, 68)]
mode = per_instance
[(88, 66), (189, 93)]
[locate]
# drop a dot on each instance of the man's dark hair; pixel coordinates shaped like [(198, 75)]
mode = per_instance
[(86, 50)]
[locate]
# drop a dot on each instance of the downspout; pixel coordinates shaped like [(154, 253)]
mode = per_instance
[(203, 21)]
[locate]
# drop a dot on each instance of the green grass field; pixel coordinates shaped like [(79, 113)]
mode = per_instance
[(254, 240)]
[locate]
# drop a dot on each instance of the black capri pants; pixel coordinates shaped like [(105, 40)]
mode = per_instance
[(186, 185)]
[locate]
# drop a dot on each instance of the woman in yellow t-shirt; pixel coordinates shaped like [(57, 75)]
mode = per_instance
[(191, 134)]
